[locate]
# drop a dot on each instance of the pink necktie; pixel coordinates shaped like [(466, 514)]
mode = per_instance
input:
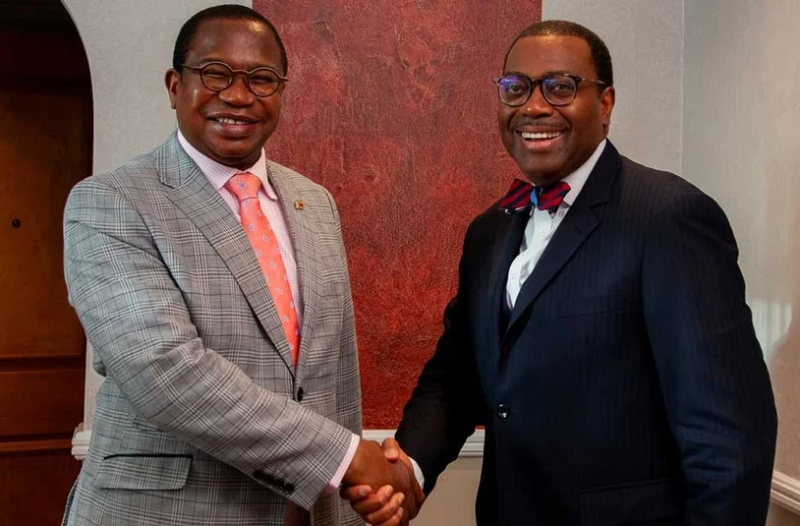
[(256, 225)]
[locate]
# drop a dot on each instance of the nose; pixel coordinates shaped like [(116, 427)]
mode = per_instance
[(238, 93), (536, 104)]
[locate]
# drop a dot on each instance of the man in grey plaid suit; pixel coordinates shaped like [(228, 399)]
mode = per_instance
[(204, 417)]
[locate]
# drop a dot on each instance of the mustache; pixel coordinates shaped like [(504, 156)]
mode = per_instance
[(525, 120)]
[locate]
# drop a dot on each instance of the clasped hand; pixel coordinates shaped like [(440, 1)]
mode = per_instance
[(380, 484)]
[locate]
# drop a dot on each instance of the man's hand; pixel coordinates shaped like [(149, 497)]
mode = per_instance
[(383, 508), (369, 466)]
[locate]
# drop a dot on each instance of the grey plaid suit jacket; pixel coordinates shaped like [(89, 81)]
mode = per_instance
[(202, 418)]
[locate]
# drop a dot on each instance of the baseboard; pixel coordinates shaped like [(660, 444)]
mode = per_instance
[(785, 489), (472, 448), (786, 492)]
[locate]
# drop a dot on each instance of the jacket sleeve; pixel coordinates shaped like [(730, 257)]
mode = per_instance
[(348, 384), (713, 377)]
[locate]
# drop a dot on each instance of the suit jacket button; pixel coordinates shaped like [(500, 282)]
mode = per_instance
[(503, 411), (300, 394)]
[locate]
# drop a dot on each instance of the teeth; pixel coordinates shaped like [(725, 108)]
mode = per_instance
[(225, 120), (539, 136)]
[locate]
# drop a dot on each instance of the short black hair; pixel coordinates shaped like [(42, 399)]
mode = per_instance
[(225, 11), (563, 28)]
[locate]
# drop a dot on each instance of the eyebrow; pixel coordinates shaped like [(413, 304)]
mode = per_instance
[(207, 60), (546, 74)]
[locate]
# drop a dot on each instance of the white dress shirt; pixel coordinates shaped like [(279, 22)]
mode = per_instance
[(541, 227)]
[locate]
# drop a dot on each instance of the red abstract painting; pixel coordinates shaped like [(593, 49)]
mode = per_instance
[(391, 106)]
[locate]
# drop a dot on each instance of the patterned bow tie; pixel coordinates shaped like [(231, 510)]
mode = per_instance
[(521, 195)]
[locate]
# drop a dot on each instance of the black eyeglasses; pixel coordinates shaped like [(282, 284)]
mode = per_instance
[(218, 76), (559, 90)]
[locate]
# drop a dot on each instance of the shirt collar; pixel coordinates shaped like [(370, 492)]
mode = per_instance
[(218, 174), (578, 178)]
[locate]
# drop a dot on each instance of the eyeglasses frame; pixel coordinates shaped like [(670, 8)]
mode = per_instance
[(247, 74), (539, 81)]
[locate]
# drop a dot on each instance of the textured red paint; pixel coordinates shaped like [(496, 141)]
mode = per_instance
[(391, 107)]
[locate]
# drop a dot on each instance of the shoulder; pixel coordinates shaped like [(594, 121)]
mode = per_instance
[(293, 184), (118, 185), (287, 176), (484, 226), (645, 179), (663, 202), (658, 192)]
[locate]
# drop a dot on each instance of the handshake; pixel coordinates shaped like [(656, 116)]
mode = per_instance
[(380, 484)]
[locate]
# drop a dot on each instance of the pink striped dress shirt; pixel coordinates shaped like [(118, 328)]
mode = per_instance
[(219, 174)]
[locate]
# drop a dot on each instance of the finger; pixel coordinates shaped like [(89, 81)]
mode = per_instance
[(373, 502), (391, 449), (396, 520), (355, 493), (388, 512)]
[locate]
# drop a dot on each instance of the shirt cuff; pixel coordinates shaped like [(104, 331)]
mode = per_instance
[(333, 485), (418, 473)]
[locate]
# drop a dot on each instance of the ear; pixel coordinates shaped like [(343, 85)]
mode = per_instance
[(607, 99), (171, 80)]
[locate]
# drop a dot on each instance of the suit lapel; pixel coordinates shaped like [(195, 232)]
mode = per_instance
[(196, 197), (504, 249), (582, 219), (300, 222)]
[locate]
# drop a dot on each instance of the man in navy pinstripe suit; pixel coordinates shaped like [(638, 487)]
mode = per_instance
[(599, 332)]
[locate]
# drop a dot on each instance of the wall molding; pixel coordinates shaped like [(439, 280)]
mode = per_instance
[(34, 446), (786, 492), (473, 448), (785, 489)]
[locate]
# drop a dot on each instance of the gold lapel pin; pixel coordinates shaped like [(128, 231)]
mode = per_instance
[(299, 205)]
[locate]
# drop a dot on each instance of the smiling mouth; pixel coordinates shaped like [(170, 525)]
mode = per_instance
[(226, 120), (541, 136)]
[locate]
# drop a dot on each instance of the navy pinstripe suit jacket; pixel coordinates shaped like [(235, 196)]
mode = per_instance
[(626, 387)]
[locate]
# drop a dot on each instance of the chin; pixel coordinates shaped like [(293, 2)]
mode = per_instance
[(239, 152)]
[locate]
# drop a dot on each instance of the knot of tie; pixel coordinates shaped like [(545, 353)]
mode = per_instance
[(244, 186), (522, 195)]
